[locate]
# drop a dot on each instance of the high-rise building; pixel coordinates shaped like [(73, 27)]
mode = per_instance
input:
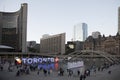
[(80, 32), (53, 44), (119, 20), (13, 29)]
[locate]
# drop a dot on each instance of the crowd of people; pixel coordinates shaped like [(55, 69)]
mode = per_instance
[(27, 69)]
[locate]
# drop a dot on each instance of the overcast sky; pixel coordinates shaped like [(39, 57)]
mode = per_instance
[(59, 16)]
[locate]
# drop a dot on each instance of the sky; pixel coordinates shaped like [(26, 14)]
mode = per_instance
[(59, 16)]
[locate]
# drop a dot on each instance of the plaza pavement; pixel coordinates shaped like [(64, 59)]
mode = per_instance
[(115, 75)]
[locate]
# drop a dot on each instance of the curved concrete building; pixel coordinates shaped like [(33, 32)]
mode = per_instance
[(13, 29)]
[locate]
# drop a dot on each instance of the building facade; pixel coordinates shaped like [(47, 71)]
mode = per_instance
[(80, 32), (13, 29), (54, 44), (32, 46), (110, 44), (31, 43)]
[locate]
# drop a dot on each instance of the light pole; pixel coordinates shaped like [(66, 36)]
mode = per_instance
[(117, 50), (118, 46)]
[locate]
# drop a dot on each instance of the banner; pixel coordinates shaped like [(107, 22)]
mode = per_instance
[(75, 64)]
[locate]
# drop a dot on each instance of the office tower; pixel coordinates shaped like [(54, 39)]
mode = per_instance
[(53, 44), (119, 20), (80, 32), (13, 29)]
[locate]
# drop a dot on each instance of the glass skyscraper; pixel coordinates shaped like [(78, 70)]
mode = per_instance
[(80, 32)]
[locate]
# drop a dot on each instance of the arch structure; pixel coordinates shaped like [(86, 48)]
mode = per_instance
[(91, 53)]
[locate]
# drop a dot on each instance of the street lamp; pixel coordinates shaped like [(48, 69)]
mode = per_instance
[(117, 47)]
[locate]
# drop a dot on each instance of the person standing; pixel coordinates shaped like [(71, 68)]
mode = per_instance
[(81, 77)]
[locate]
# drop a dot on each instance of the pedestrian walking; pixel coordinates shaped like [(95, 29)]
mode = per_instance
[(81, 77), (38, 72), (48, 72), (1, 68), (18, 73), (109, 72), (78, 72), (70, 72), (84, 77)]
